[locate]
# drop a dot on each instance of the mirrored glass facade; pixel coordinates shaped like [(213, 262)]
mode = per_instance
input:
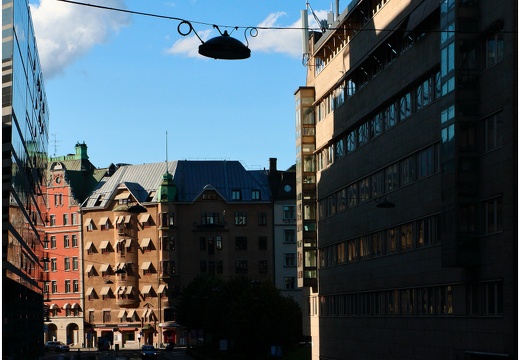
[(25, 121)]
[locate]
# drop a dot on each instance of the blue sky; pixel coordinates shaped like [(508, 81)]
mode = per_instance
[(120, 81)]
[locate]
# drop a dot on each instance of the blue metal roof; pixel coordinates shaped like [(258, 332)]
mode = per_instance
[(190, 177)]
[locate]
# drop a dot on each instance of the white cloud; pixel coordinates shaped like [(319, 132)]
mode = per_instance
[(284, 41), (189, 45), (65, 32)]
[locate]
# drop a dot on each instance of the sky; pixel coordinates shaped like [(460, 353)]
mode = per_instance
[(136, 91)]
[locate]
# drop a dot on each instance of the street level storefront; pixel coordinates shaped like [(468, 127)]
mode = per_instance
[(171, 333)]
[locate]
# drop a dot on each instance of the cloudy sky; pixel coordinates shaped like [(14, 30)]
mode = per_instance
[(120, 81)]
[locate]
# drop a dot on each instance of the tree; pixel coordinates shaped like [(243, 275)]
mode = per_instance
[(252, 315)]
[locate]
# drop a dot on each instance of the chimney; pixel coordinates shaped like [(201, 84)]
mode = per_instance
[(272, 165), (81, 151)]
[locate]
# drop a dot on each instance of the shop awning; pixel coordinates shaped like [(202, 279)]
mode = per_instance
[(144, 218), (124, 195), (105, 290), (161, 288), (75, 306), (104, 244), (104, 267), (148, 327), (146, 265), (145, 242), (66, 306), (53, 306)]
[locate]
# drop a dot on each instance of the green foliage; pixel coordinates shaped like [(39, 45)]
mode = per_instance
[(252, 315)]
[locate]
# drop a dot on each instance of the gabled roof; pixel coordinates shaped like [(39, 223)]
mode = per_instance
[(190, 178)]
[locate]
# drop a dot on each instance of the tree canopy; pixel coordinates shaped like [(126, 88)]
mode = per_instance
[(251, 315)]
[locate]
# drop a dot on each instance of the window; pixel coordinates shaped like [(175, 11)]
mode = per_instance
[(106, 316), (75, 263), (67, 286), (262, 266), (202, 243), (66, 262), (493, 47), (220, 267), (427, 232), (391, 240), (492, 215), (241, 243), (203, 266), (53, 220), (66, 241), (45, 266), (289, 259), (236, 195), (289, 236), (262, 218), (90, 226), (240, 218), (290, 283), (405, 106), (75, 286), (288, 212), (218, 242), (211, 246), (392, 177), (54, 286), (241, 267), (209, 218), (493, 131), (53, 242), (74, 218), (74, 240), (406, 237), (425, 163), (262, 243), (167, 219), (65, 219), (54, 264), (408, 170), (91, 317), (255, 194)]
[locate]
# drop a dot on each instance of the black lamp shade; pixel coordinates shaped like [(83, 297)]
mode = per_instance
[(224, 47)]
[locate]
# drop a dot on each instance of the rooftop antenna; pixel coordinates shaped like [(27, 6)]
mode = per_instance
[(55, 145)]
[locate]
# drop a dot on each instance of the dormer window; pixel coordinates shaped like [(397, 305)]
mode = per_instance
[(255, 194), (236, 194)]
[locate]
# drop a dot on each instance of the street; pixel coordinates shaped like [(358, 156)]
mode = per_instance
[(176, 354)]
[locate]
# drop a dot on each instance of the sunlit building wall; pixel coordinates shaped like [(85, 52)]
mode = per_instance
[(25, 121), (414, 102)]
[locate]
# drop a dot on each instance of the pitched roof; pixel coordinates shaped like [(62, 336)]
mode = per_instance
[(190, 178)]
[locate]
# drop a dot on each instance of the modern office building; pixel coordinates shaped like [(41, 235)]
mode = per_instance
[(412, 102), (25, 120), (150, 229), (69, 181)]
